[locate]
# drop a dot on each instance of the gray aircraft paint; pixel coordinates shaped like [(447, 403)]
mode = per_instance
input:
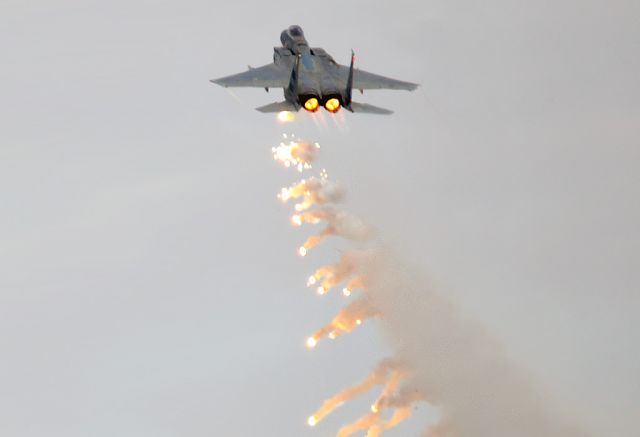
[(317, 75)]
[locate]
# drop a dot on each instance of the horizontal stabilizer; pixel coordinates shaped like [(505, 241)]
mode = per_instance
[(369, 109), (278, 107)]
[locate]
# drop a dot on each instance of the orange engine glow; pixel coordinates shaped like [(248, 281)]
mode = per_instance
[(311, 104), (332, 105)]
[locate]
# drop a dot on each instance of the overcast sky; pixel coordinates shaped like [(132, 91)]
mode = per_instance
[(149, 284)]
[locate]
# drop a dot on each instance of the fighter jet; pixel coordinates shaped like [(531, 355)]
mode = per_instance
[(311, 78)]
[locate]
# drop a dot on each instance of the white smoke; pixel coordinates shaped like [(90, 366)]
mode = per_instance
[(447, 361), (455, 363)]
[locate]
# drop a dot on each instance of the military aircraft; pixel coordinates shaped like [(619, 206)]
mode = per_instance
[(311, 78)]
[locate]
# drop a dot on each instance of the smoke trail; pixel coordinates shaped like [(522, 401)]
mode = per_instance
[(379, 375), (399, 416), (320, 192), (339, 223), (389, 389), (466, 375), (408, 394), (456, 362), (402, 401), (313, 217), (332, 275), (361, 424), (347, 319)]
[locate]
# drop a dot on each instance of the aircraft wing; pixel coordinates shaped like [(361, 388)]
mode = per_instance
[(267, 76), (363, 80)]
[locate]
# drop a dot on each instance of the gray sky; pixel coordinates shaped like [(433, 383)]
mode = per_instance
[(148, 278)]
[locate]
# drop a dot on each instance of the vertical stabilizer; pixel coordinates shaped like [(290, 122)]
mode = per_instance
[(355, 106), (347, 93)]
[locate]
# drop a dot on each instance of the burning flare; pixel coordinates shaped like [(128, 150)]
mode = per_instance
[(380, 375), (401, 401), (332, 275), (314, 195), (312, 342), (390, 373), (399, 416), (313, 192), (350, 317), (295, 154), (314, 240), (338, 223), (355, 283), (286, 116)]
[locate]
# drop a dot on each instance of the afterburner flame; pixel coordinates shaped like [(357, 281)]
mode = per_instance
[(312, 104), (332, 105)]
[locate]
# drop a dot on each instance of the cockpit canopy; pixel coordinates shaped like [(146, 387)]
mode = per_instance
[(293, 37), (296, 31)]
